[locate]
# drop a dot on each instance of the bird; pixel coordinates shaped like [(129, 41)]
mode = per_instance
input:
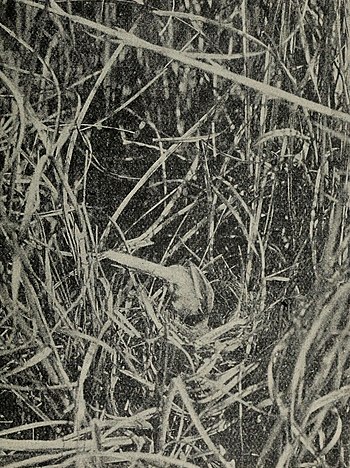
[(193, 294)]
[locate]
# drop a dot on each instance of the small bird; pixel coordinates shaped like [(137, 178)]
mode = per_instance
[(193, 293)]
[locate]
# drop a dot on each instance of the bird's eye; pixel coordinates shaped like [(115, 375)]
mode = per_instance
[(192, 319)]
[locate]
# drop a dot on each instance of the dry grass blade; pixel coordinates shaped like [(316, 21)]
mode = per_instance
[(196, 421), (33, 361), (39, 459)]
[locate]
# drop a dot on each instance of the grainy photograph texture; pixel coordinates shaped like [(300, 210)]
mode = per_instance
[(174, 233)]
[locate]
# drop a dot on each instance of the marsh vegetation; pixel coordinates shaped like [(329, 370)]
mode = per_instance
[(212, 135)]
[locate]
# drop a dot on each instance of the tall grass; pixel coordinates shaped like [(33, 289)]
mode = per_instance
[(209, 135)]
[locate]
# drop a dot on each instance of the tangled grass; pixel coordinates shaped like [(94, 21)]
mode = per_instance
[(207, 132)]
